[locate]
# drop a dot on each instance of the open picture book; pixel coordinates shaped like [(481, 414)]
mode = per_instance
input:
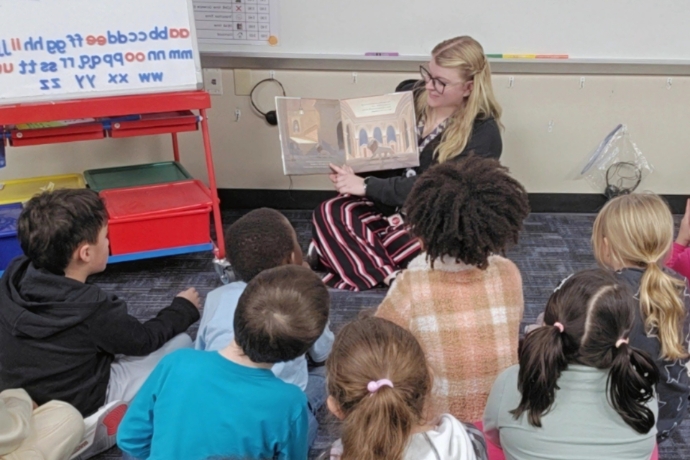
[(367, 133)]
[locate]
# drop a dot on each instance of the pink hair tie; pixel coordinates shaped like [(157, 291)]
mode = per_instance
[(559, 326), (622, 341), (373, 387)]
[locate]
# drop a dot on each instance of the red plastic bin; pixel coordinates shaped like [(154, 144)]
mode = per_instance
[(158, 216)]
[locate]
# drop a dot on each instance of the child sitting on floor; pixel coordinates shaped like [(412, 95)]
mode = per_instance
[(379, 383), (260, 240), (632, 236), (196, 405), (680, 255), (460, 298), (28, 431), (59, 335), (581, 390)]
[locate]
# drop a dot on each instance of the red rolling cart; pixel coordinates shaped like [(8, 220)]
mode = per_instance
[(124, 116)]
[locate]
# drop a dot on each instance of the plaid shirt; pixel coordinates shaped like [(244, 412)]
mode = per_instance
[(466, 319)]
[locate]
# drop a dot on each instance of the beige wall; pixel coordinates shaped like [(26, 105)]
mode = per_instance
[(247, 153)]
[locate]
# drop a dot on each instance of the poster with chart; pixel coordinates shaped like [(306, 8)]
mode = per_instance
[(236, 22), (57, 49)]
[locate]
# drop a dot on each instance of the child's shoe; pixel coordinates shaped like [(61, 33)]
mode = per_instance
[(101, 430)]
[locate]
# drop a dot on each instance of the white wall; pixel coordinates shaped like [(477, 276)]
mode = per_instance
[(608, 29), (247, 153)]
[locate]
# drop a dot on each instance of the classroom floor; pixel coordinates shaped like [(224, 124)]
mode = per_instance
[(551, 247)]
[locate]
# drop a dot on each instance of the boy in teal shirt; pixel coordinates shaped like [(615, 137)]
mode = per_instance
[(197, 405), (257, 241)]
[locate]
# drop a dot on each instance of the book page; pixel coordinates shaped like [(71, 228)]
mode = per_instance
[(380, 132), (310, 135)]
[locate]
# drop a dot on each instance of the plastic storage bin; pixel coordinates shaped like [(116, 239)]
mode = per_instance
[(20, 190), (9, 243), (135, 175), (158, 216)]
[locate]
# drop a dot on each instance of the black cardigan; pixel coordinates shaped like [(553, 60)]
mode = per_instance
[(390, 190), (485, 141)]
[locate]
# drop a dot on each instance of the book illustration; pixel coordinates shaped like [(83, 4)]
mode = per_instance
[(368, 134), (311, 134), (380, 132)]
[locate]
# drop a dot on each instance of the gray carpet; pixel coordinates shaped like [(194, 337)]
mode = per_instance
[(551, 247)]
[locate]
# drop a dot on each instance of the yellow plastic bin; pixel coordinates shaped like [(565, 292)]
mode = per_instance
[(21, 190)]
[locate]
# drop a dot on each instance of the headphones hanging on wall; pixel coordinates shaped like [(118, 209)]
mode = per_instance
[(622, 178), (270, 116)]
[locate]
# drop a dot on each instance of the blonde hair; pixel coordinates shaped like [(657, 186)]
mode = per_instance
[(465, 55), (639, 231), (377, 426)]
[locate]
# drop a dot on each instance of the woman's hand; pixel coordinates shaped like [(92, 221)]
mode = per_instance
[(346, 181), (684, 230)]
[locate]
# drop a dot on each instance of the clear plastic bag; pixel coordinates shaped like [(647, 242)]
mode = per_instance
[(616, 166)]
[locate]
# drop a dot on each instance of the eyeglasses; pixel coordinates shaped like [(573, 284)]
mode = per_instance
[(439, 85)]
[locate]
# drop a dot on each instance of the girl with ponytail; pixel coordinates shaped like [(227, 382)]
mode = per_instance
[(379, 381), (632, 236), (581, 390)]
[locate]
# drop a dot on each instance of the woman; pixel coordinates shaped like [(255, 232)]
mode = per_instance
[(357, 236)]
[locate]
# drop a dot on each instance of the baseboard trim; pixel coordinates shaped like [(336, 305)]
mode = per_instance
[(279, 199), (309, 199), (566, 202)]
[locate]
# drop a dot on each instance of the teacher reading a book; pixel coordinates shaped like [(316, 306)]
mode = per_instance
[(360, 236)]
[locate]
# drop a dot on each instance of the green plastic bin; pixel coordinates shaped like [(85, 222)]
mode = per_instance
[(135, 175)]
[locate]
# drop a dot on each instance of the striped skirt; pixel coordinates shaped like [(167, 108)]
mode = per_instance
[(358, 245)]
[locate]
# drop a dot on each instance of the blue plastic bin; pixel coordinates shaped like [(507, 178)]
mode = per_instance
[(9, 243)]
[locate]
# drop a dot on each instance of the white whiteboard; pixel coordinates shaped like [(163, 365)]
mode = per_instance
[(64, 49), (582, 29)]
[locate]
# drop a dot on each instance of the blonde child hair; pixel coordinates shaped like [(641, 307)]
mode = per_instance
[(466, 56), (369, 354), (637, 231)]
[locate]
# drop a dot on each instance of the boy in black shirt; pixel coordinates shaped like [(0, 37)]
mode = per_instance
[(59, 335)]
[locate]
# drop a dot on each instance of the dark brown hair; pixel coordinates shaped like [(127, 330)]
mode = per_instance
[(261, 239), (378, 425), (281, 313), (52, 225), (595, 312), (467, 210)]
